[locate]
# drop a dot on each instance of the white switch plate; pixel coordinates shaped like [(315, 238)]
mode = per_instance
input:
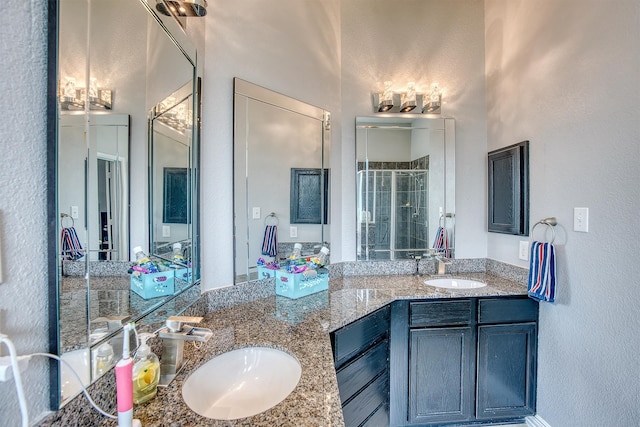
[(581, 220), (74, 212), (293, 231), (523, 252), (166, 231), (256, 213)]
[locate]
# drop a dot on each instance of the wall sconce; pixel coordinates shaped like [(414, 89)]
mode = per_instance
[(390, 101), (408, 102), (182, 8), (432, 101), (175, 114), (385, 102), (72, 97)]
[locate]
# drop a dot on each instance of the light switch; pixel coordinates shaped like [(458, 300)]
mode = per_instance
[(581, 220), (166, 231), (74, 212), (293, 231), (256, 213)]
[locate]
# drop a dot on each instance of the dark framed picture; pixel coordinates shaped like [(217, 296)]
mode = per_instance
[(509, 190), (309, 196), (175, 208)]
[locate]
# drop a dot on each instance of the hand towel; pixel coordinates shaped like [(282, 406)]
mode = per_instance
[(270, 241), (71, 247), (542, 272), (441, 243)]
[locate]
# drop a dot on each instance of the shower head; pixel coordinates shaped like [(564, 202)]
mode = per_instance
[(182, 8)]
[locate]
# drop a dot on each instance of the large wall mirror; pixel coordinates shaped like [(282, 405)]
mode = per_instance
[(281, 176), (127, 171), (405, 193)]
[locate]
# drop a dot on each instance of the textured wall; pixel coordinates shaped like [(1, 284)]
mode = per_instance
[(424, 41), (566, 75), (23, 293)]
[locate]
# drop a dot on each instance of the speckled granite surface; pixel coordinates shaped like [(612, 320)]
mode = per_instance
[(110, 297), (300, 327)]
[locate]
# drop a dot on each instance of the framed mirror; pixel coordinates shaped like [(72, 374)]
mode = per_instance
[(128, 119), (405, 197), (281, 170)]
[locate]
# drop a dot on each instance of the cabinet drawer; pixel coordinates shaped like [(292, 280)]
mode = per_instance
[(358, 409), (440, 313), (356, 374), (379, 418), (507, 310), (360, 335)]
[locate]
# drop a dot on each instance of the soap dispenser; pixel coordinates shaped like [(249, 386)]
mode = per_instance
[(146, 372)]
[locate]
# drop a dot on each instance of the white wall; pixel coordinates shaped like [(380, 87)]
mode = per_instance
[(23, 216), (289, 46), (566, 76), (424, 41)]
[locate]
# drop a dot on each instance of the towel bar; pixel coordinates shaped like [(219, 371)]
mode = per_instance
[(271, 215), (550, 222)]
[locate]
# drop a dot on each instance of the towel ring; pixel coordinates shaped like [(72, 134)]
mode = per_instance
[(550, 222), (271, 215), (63, 216)]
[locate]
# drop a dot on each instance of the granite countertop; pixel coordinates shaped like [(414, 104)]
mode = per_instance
[(300, 327)]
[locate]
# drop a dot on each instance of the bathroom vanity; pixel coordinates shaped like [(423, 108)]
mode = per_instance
[(433, 362), (368, 328)]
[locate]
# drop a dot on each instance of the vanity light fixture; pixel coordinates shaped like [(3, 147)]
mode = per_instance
[(175, 113), (386, 98), (432, 101), (390, 101), (408, 98), (182, 8), (73, 97)]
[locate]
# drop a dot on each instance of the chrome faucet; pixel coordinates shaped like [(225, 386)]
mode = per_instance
[(173, 336), (442, 262)]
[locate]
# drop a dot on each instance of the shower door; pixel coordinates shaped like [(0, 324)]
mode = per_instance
[(393, 214)]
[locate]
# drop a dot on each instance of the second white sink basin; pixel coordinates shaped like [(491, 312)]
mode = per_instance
[(241, 383), (451, 283)]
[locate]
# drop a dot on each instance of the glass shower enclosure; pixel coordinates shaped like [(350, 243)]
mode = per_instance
[(393, 209)]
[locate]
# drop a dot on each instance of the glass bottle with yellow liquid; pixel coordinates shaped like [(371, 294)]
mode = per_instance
[(146, 372)]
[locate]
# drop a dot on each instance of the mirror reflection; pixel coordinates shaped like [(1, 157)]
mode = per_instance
[(404, 177), (106, 235), (281, 177), (170, 179), (127, 172)]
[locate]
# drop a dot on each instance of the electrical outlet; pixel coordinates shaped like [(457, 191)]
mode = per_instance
[(166, 231), (293, 231), (256, 213), (6, 367), (523, 252), (581, 220)]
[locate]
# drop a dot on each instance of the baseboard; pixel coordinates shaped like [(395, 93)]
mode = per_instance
[(536, 421)]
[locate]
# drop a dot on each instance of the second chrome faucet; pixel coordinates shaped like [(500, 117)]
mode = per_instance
[(174, 335)]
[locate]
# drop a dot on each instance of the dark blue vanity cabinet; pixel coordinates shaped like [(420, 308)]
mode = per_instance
[(507, 358), (361, 357), (462, 361)]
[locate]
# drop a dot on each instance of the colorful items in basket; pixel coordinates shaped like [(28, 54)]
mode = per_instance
[(270, 265)]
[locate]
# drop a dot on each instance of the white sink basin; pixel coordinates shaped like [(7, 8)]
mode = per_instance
[(241, 383), (451, 283)]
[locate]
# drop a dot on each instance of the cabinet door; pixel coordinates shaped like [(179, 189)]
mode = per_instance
[(353, 339), (506, 370), (441, 380)]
